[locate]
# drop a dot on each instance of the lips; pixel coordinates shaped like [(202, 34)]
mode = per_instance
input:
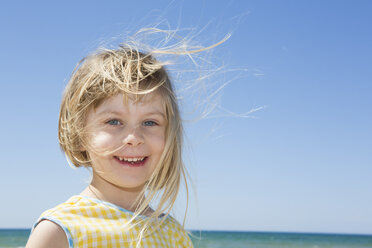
[(131, 161)]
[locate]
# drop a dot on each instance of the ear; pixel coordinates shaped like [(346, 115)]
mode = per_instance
[(82, 148), (82, 144)]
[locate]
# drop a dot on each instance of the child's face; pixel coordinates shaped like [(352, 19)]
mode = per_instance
[(125, 141)]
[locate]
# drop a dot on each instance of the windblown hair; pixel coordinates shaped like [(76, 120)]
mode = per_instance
[(134, 73), (131, 73)]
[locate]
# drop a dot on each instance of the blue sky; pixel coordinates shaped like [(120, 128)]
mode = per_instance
[(303, 163)]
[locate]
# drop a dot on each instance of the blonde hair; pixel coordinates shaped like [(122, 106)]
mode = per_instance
[(131, 72)]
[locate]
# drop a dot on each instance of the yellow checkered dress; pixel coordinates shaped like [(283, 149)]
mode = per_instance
[(89, 222)]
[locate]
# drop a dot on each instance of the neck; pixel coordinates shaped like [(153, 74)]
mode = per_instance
[(105, 191)]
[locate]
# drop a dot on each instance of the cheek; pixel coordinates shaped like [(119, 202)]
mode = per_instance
[(157, 140), (102, 141), (160, 143)]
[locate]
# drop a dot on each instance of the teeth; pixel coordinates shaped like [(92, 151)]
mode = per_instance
[(131, 159)]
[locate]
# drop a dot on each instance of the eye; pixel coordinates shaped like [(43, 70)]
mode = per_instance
[(150, 123), (113, 122)]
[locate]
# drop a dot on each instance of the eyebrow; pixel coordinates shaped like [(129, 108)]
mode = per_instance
[(156, 113), (119, 113)]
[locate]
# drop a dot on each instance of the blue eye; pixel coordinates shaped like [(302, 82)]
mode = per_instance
[(150, 123), (114, 122)]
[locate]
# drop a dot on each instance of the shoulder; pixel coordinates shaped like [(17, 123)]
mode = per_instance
[(47, 234), (69, 209), (180, 234), (50, 229)]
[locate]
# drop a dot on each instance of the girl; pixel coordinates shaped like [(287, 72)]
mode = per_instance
[(119, 116)]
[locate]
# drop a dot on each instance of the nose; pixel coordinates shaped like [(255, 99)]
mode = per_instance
[(133, 138)]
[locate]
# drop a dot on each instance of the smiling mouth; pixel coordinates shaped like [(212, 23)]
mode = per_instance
[(131, 161)]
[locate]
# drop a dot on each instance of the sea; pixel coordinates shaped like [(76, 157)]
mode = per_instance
[(11, 238)]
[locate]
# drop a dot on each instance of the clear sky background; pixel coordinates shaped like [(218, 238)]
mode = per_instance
[(303, 163)]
